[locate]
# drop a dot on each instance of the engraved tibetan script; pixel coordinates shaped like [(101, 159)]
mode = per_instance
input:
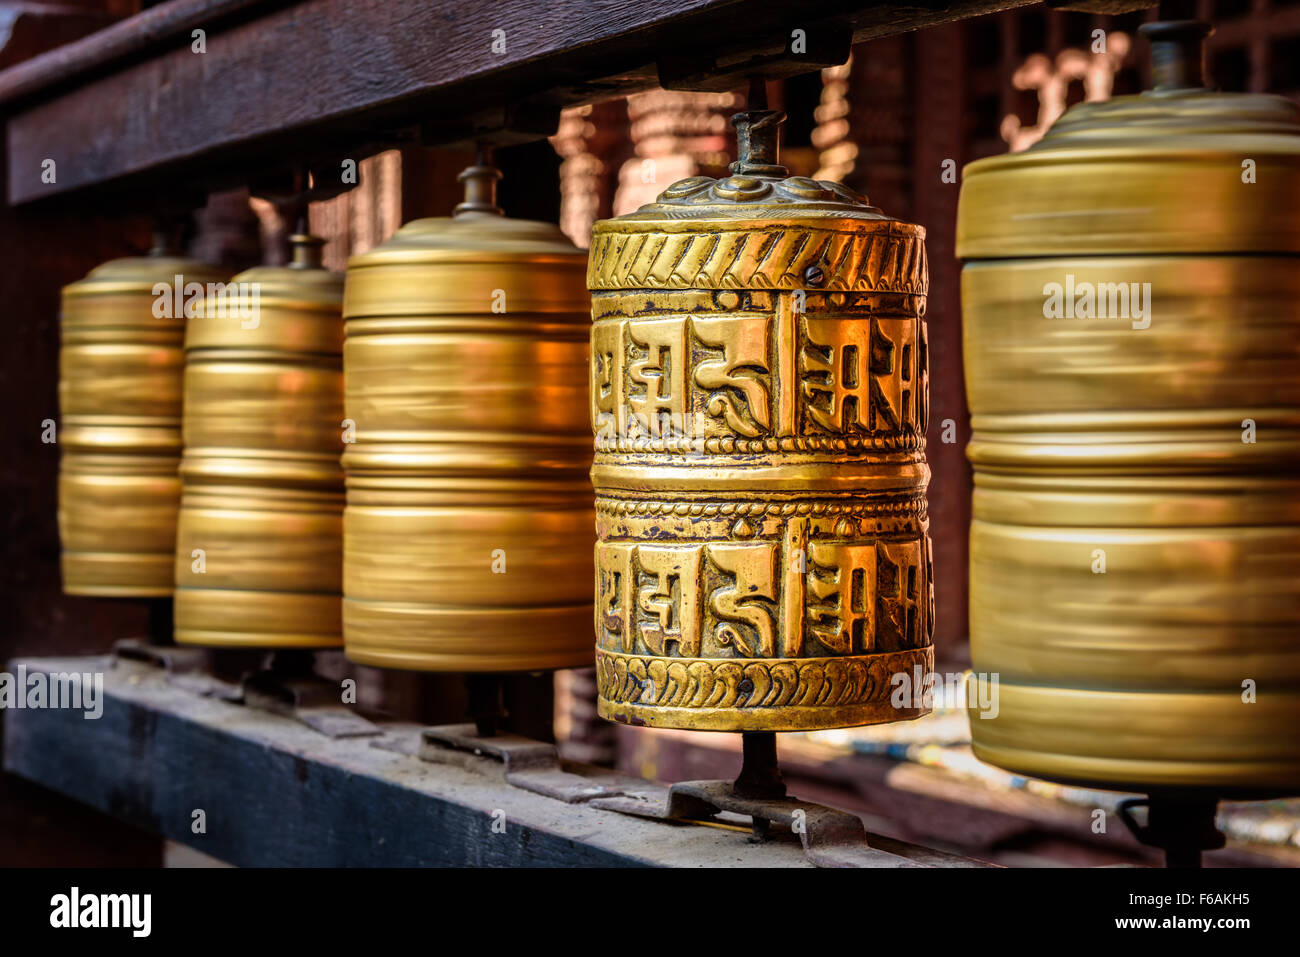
[(860, 376), (658, 375), (754, 376), (736, 394), (729, 599)]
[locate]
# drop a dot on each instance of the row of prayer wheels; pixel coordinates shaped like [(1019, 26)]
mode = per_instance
[(401, 461)]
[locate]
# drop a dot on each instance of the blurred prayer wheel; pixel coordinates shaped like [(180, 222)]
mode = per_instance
[(120, 365), (1133, 370), (759, 400), (259, 546), (467, 533)]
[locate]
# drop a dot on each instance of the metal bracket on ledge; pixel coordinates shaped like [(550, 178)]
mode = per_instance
[(830, 838), (311, 699), (531, 765), (186, 668), (1180, 825), (307, 697)]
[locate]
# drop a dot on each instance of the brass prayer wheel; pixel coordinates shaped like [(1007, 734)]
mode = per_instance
[(120, 364), (258, 559), (467, 532), (759, 399), (1131, 325)]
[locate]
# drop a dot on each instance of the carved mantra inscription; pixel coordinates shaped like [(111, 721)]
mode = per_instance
[(762, 558), (828, 580), (780, 371), (795, 613)]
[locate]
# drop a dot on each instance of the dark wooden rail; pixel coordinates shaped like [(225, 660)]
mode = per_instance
[(275, 792), (281, 83)]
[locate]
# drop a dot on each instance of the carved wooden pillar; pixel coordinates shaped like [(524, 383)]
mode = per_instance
[(592, 142), (581, 733), (675, 135), (1050, 79), (361, 218), (837, 152), (876, 89), (580, 174)]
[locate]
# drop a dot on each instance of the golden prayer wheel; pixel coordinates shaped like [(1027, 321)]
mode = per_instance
[(258, 560), (120, 365), (467, 532), (759, 400), (1131, 326)]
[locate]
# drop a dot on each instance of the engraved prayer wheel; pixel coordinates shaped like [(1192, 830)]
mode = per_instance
[(759, 401), (259, 546), (467, 532), (1131, 318), (120, 365)]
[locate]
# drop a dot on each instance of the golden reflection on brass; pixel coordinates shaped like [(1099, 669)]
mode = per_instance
[(759, 399), (467, 533), (1135, 544), (259, 544), (120, 366)]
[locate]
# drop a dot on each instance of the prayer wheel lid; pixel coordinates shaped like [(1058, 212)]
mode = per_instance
[(1180, 168), (477, 231), (726, 233), (468, 235), (459, 264), (300, 303), (140, 273), (759, 188), (303, 280)]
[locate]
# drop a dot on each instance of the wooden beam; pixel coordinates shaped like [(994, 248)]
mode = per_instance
[(135, 36), (331, 78)]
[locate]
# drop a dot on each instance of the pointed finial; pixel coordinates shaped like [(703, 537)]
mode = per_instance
[(480, 181), (758, 143), (1177, 54), (307, 251)]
